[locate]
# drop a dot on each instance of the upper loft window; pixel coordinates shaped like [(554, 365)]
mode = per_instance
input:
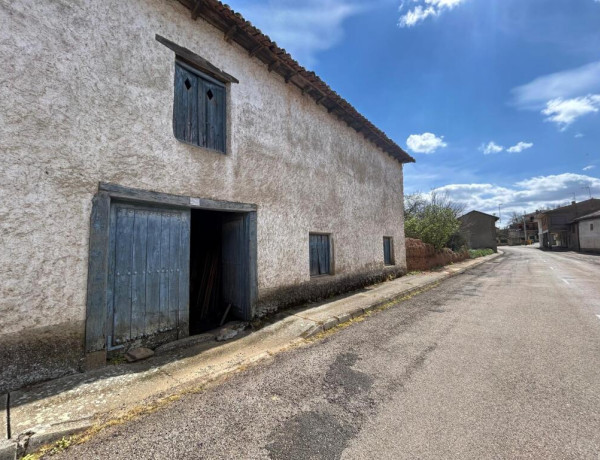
[(199, 109)]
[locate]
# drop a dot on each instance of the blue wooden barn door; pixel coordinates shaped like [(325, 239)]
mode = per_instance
[(148, 281), (234, 258)]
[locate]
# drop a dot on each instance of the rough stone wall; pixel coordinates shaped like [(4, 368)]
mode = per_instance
[(87, 97), (423, 256)]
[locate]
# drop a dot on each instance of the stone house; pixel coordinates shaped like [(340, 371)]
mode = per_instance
[(479, 230), (518, 236), (587, 230), (556, 229), (165, 166)]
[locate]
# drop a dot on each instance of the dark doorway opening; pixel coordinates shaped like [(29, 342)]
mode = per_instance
[(219, 260)]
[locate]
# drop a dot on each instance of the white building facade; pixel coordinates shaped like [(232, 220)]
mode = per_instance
[(163, 162)]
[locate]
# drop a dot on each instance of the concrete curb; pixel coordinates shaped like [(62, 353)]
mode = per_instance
[(337, 320), (33, 439), (8, 449)]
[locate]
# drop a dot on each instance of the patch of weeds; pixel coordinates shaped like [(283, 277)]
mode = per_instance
[(413, 272), (475, 253), (52, 449), (257, 324), (116, 360)]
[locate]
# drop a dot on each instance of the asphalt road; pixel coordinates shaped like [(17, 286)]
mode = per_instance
[(500, 362)]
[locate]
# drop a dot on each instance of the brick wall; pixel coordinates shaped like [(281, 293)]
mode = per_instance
[(422, 256)]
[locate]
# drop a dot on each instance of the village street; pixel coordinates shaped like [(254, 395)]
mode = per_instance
[(502, 361)]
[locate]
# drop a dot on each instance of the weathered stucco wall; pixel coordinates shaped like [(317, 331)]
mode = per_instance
[(87, 96), (479, 231), (589, 239)]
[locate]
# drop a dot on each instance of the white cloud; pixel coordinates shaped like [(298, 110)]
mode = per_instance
[(580, 135), (564, 112), (422, 9), (561, 85), (527, 195), (425, 143), (587, 168), (562, 97), (518, 148), (303, 28), (490, 148)]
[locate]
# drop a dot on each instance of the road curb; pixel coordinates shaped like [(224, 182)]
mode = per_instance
[(35, 438), (8, 449), (333, 321)]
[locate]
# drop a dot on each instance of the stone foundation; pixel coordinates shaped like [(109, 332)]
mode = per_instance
[(320, 288), (38, 354)]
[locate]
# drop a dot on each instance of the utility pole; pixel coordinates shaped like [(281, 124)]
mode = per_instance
[(589, 189), (525, 229), (499, 215)]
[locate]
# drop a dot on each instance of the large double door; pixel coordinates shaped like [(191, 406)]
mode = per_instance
[(148, 281), (148, 289)]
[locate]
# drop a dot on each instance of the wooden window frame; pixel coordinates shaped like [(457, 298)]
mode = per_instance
[(331, 255), (200, 75), (392, 255)]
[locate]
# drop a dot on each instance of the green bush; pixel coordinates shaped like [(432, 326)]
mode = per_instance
[(431, 218), (474, 253), (457, 242)]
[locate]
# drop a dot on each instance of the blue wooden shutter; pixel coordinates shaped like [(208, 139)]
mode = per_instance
[(185, 113), (387, 250), (320, 259), (214, 97), (324, 254), (314, 254)]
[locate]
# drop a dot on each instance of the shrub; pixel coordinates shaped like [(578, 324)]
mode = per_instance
[(432, 219), (474, 253)]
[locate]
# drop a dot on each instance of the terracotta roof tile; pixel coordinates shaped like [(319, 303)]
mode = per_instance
[(250, 37)]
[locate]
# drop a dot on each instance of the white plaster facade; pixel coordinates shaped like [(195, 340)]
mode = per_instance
[(87, 96), (589, 235)]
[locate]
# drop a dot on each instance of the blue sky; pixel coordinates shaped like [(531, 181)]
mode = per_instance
[(497, 100)]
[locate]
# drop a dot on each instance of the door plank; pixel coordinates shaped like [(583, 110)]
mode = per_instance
[(184, 277), (164, 274), (173, 268), (123, 268), (138, 288), (152, 322)]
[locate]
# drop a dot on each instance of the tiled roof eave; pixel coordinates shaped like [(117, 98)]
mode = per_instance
[(260, 46)]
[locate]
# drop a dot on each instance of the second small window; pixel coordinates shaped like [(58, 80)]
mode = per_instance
[(320, 254), (388, 251)]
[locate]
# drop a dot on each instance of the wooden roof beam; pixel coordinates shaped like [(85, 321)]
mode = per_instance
[(196, 10), (230, 33), (255, 50), (290, 75)]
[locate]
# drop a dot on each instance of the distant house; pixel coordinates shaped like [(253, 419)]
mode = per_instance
[(517, 236), (479, 230), (556, 229), (587, 229)]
